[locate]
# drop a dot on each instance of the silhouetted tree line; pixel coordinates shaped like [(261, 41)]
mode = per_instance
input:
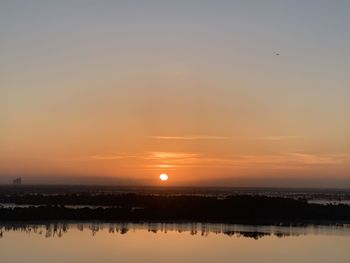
[(134, 207), (326, 194)]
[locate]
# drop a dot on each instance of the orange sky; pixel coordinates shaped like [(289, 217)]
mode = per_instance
[(198, 94)]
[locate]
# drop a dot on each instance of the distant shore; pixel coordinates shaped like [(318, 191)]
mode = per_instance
[(238, 209)]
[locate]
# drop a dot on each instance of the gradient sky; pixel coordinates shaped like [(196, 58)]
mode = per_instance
[(127, 90)]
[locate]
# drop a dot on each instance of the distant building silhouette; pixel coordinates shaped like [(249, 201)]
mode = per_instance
[(17, 181)]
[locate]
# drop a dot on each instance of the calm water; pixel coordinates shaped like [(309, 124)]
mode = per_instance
[(93, 242)]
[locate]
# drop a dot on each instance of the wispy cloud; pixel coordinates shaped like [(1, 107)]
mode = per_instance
[(288, 160), (172, 159), (213, 137), (293, 160), (164, 165), (171, 155), (191, 137)]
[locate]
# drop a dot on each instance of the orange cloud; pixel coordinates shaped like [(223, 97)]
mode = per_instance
[(195, 137)]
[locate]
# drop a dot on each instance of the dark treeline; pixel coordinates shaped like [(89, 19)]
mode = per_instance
[(133, 207), (307, 193)]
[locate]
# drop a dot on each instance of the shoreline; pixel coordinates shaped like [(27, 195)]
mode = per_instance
[(257, 210)]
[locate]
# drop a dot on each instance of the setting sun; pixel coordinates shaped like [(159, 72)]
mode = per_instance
[(164, 177), (196, 131)]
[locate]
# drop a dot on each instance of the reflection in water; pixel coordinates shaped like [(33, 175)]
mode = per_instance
[(202, 229), (67, 242)]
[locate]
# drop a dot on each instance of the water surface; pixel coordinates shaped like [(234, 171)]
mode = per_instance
[(159, 242)]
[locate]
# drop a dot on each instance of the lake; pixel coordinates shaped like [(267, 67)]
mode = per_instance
[(166, 242)]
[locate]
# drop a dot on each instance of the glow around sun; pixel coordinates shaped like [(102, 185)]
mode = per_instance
[(164, 177)]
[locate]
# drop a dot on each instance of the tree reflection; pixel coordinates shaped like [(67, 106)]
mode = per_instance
[(52, 230)]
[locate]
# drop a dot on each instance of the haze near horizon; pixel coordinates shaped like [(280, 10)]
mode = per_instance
[(212, 93)]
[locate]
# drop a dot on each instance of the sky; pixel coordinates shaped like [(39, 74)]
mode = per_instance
[(215, 93)]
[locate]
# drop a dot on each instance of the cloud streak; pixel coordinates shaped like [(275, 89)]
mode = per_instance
[(293, 160), (289, 160), (213, 137), (189, 138), (171, 155)]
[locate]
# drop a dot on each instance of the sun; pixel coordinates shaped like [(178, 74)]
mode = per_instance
[(164, 177)]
